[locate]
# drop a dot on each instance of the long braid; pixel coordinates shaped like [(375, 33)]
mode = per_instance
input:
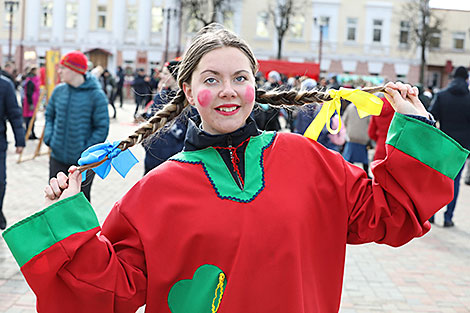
[(293, 97), (169, 112)]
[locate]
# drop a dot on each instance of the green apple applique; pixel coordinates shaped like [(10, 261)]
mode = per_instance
[(201, 294)]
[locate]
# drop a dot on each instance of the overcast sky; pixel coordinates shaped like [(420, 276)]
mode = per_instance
[(451, 4)]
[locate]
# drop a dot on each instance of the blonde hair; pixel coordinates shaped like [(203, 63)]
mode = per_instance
[(209, 38)]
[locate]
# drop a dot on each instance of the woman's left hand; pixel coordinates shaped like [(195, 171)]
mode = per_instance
[(404, 99)]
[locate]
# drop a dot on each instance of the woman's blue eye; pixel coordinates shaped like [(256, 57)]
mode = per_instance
[(210, 80), (240, 79)]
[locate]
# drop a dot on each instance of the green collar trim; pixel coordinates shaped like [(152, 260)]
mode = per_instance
[(426, 144), (220, 176)]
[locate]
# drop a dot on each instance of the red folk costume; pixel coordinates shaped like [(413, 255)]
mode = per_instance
[(186, 238)]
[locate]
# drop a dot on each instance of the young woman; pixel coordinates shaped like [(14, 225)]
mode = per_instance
[(240, 221)]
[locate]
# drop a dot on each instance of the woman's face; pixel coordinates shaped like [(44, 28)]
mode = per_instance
[(167, 79), (222, 89)]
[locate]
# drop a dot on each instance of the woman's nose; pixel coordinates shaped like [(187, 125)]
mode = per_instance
[(227, 90)]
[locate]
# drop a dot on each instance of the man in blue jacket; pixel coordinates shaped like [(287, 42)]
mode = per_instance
[(76, 116), (451, 107), (9, 110)]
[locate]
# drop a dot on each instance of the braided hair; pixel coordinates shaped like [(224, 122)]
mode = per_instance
[(209, 38)]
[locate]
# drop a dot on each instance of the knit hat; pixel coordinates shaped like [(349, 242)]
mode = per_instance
[(76, 61), (173, 68), (461, 72)]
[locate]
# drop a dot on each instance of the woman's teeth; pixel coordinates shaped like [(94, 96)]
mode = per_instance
[(225, 109)]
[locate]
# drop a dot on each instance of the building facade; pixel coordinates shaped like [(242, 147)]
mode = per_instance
[(361, 37)]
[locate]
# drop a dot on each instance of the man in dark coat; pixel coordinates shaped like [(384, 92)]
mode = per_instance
[(9, 110), (451, 107)]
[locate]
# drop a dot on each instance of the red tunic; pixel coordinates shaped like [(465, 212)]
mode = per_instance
[(280, 242)]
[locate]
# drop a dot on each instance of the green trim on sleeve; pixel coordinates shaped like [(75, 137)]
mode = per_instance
[(427, 144), (36, 233)]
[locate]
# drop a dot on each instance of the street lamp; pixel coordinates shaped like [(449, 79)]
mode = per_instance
[(321, 25), (168, 17), (10, 6)]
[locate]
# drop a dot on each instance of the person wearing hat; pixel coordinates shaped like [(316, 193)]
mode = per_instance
[(451, 107), (76, 116), (170, 142)]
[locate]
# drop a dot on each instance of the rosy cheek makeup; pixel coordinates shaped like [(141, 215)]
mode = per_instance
[(249, 94), (204, 97)]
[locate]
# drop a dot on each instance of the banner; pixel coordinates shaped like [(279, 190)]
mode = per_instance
[(52, 61)]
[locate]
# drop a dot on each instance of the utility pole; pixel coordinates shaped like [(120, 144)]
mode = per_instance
[(320, 45), (180, 27), (9, 6), (168, 16)]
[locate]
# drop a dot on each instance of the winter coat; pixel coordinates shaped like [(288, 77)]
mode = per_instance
[(356, 127), (141, 87), (76, 118), (378, 129), (30, 100), (9, 110), (451, 107), (168, 142)]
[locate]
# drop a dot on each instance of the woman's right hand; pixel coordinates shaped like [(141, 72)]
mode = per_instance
[(62, 187)]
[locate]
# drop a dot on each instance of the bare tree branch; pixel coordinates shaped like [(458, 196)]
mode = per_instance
[(281, 12), (208, 12), (424, 24)]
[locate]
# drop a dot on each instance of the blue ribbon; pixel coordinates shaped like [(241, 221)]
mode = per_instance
[(122, 161)]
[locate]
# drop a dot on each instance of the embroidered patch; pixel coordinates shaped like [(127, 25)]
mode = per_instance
[(221, 178), (201, 294)]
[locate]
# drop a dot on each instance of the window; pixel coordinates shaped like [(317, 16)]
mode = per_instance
[(459, 40), (71, 10), (435, 41), (325, 26), (377, 30), (262, 21), (296, 28), (46, 14), (404, 32), (101, 13), (351, 25), (157, 19), (131, 17)]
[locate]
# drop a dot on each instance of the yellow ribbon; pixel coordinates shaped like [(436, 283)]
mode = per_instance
[(366, 104)]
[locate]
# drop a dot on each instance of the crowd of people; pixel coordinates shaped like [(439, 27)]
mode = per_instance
[(223, 210), (360, 140)]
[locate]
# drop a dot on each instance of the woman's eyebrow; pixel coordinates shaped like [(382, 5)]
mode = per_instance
[(210, 71), (241, 71), (217, 73)]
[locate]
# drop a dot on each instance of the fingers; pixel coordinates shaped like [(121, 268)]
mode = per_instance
[(75, 178), (405, 90), (48, 193), (62, 180), (404, 99), (54, 185)]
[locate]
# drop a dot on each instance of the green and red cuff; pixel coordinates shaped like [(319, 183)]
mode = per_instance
[(424, 142), (36, 233)]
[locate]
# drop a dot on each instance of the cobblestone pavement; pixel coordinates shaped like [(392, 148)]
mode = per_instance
[(430, 274)]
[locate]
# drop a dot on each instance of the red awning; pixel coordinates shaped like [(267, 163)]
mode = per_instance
[(290, 69)]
